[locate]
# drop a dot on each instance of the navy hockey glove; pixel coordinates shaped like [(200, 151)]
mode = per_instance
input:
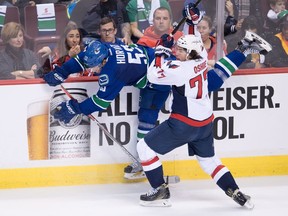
[(67, 110), (166, 40), (56, 77), (193, 14)]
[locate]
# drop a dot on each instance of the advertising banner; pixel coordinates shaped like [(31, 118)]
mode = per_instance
[(250, 121)]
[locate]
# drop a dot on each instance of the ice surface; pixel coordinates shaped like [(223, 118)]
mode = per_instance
[(193, 197)]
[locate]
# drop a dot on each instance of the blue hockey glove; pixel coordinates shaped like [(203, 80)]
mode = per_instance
[(193, 14), (56, 77), (67, 110), (166, 40), (162, 51)]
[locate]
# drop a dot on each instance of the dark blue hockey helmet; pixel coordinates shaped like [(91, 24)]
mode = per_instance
[(95, 53)]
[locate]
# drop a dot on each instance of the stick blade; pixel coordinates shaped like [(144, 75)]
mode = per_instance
[(170, 179), (173, 179)]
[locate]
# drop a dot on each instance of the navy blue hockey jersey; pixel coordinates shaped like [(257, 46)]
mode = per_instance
[(125, 66)]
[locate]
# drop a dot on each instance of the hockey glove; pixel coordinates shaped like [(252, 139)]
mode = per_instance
[(56, 77), (162, 51), (159, 52), (192, 13), (166, 40), (67, 110)]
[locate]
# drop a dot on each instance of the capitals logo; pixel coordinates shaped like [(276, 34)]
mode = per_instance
[(173, 66)]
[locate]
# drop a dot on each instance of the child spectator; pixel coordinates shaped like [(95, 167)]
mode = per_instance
[(274, 15)]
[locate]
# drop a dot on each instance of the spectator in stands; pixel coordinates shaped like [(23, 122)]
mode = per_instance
[(16, 61), (274, 15), (140, 13), (114, 9), (162, 24), (108, 31), (231, 24), (205, 28), (279, 53), (241, 9), (69, 45), (251, 24)]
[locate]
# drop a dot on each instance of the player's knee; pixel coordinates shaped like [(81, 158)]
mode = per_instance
[(144, 151), (209, 164)]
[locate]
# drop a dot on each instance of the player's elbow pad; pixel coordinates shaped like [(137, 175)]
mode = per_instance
[(88, 106)]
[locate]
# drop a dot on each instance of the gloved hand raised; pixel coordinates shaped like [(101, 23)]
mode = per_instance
[(56, 77), (162, 51), (192, 13), (67, 110), (166, 40)]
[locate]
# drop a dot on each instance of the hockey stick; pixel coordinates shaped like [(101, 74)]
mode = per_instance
[(182, 21), (103, 129), (169, 179), (158, 58)]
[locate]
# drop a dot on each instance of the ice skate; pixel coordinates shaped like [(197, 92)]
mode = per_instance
[(134, 171), (253, 43), (240, 198), (156, 197)]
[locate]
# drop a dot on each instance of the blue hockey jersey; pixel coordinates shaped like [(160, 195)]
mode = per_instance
[(125, 66)]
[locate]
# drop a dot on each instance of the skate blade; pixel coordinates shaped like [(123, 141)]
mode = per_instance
[(263, 43), (156, 203), (249, 204), (135, 176)]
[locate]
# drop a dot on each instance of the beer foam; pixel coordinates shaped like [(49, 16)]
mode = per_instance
[(37, 108)]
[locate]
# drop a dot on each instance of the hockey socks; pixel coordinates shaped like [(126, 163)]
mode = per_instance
[(154, 172)]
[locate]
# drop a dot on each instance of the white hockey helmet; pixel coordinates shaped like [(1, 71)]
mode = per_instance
[(191, 42)]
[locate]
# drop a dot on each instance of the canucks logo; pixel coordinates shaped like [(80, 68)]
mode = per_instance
[(103, 79), (97, 51)]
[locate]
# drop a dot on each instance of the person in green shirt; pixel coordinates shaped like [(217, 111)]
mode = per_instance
[(140, 13)]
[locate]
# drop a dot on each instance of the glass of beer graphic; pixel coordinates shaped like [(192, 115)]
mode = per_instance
[(37, 130)]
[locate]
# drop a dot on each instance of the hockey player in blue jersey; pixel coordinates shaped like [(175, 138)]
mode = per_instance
[(117, 66), (191, 119)]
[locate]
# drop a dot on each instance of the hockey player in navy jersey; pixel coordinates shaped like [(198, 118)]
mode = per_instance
[(191, 119), (117, 66)]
